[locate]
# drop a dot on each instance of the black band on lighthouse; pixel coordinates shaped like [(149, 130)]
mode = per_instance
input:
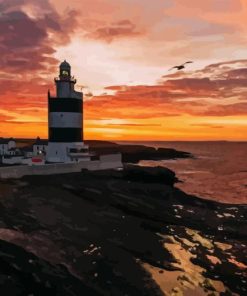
[(65, 105), (65, 135)]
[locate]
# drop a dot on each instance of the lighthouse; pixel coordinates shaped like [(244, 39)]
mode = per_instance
[(65, 120)]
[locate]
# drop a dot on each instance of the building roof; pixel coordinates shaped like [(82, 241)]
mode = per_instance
[(40, 142), (5, 141), (65, 65)]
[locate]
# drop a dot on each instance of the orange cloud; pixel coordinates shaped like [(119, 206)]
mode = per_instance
[(207, 95)]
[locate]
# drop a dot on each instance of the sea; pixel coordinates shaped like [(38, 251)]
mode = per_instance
[(217, 172)]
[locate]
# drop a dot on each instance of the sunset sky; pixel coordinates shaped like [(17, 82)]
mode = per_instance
[(120, 52)]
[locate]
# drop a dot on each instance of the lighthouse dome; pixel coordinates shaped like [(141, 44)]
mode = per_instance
[(65, 70), (64, 65)]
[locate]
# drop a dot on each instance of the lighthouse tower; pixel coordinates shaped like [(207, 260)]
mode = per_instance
[(65, 120)]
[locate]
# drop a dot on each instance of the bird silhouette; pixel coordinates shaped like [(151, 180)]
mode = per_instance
[(180, 67)]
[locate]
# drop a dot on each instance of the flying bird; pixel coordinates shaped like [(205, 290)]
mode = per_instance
[(180, 67)]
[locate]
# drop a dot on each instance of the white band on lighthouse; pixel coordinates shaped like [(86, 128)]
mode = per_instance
[(65, 119)]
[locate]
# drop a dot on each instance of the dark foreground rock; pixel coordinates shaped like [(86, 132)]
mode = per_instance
[(149, 174), (23, 273), (135, 153), (112, 232)]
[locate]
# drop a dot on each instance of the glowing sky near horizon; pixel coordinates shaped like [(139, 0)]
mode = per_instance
[(120, 52)]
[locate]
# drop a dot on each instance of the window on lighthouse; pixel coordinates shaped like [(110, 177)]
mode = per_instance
[(65, 73)]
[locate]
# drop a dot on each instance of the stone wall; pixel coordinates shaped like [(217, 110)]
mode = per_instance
[(110, 161)]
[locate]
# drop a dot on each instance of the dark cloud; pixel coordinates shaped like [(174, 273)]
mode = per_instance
[(217, 81), (226, 110), (208, 125), (26, 123), (30, 32), (217, 70), (207, 92), (115, 30), (237, 74), (132, 124), (18, 30), (28, 41)]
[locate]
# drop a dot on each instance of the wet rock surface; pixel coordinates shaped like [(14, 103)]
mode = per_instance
[(126, 232)]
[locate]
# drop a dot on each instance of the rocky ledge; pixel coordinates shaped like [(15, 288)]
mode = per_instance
[(135, 153), (127, 232)]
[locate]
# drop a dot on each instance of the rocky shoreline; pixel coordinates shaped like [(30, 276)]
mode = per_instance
[(127, 232), (135, 153)]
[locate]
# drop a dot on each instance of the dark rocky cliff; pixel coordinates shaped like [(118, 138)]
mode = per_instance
[(117, 233)]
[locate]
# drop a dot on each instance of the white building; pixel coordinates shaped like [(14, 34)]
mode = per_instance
[(40, 147), (7, 146)]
